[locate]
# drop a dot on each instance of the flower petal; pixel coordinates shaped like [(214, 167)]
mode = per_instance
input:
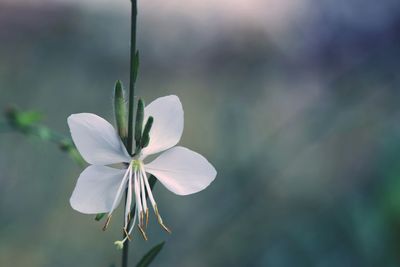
[(96, 189), (167, 127), (96, 139), (182, 171)]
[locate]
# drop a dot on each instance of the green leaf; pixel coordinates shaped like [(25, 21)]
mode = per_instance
[(22, 119), (27, 118), (99, 216), (150, 256)]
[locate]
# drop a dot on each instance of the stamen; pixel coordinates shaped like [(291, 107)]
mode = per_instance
[(133, 224), (107, 222), (128, 201), (120, 243), (141, 216), (119, 191), (142, 232), (144, 199), (127, 235), (137, 193), (148, 189), (159, 219), (139, 206)]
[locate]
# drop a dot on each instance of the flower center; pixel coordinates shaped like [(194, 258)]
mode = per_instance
[(136, 163), (137, 187)]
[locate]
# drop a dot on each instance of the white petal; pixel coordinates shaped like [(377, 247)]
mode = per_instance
[(96, 139), (167, 127), (96, 189), (182, 171)]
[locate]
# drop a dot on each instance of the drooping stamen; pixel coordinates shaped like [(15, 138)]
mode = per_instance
[(148, 189), (119, 191), (144, 199), (139, 205), (132, 226), (127, 234), (128, 201), (142, 232), (160, 221), (137, 196), (153, 202), (107, 222), (147, 217), (120, 243)]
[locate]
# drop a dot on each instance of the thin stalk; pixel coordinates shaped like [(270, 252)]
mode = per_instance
[(132, 80)]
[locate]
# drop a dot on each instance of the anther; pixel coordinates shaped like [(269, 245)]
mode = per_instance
[(165, 227), (107, 222), (160, 221), (127, 234), (147, 217), (142, 232), (141, 219)]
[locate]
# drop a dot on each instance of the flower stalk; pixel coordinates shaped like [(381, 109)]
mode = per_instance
[(134, 64)]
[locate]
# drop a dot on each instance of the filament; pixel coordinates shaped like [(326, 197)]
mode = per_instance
[(117, 196)]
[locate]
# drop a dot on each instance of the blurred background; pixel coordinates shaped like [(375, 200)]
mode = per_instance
[(295, 102)]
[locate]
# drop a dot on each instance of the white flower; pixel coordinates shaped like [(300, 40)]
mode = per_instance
[(100, 188)]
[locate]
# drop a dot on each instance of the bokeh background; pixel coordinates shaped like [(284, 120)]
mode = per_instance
[(296, 103)]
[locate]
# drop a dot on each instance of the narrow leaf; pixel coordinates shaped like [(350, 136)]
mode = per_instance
[(27, 118), (22, 119), (150, 256)]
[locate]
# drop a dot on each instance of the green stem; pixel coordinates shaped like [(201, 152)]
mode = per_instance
[(132, 80), (45, 134)]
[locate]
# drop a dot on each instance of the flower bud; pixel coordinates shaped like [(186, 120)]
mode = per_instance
[(139, 121), (146, 132), (120, 111)]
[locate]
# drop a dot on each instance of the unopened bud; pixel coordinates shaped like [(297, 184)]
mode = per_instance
[(146, 132), (139, 121), (120, 111)]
